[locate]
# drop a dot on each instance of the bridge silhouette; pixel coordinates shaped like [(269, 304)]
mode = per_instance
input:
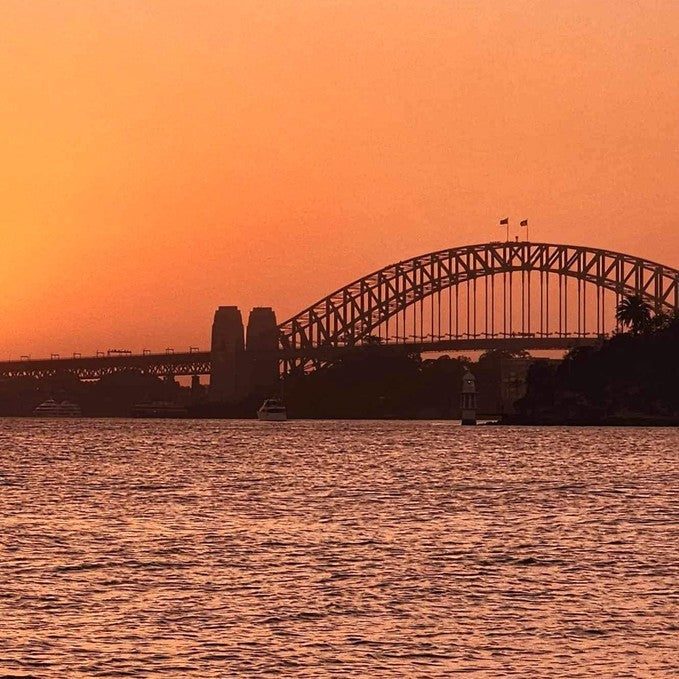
[(509, 295)]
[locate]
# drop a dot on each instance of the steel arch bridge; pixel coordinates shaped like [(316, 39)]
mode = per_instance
[(535, 295), (515, 295)]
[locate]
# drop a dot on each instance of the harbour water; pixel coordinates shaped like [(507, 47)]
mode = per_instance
[(376, 549)]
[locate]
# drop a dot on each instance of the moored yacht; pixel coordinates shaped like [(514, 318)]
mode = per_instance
[(51, 408), (272, 410)]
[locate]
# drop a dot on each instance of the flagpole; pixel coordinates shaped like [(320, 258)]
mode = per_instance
[(505, 222)]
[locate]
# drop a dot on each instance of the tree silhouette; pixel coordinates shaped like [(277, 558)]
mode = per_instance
[(372, 341), (626, 376), (634, 313)]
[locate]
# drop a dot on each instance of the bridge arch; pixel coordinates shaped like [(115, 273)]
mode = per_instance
[(351, 314)]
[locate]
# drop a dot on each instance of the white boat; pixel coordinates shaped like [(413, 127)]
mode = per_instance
[(51, 408), (272, 410)]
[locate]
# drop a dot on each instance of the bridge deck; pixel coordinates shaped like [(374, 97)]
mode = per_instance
[(199, 363)]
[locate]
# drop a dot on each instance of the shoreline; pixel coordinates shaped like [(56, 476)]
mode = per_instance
[(508, 420), (611, 421)]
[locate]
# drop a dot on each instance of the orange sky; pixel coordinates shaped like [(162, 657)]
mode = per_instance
[(162, 158)]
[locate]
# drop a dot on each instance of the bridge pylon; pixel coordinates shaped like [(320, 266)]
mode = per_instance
[(243, 364), (228, 375), (261, 350)]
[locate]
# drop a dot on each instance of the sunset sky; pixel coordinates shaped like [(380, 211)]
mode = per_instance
[(161, 158)]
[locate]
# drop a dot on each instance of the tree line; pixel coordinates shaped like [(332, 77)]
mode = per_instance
[(631, 377)]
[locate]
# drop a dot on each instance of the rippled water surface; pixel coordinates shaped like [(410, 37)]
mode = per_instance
[(402, 549)]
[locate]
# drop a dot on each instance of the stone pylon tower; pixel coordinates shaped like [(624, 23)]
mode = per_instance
[(262, 351), (228, 376)]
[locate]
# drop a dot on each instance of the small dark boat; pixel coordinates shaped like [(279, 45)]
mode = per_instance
[(158, 409)]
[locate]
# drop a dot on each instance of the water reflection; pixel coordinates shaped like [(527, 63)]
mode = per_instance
[(212, 549)]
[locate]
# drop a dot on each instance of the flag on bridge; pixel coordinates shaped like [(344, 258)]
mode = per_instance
[(504, 221), (524, 222)]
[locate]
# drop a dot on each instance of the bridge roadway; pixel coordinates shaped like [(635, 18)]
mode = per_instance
[(199, 363)]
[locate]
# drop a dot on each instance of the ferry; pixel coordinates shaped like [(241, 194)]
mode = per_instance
[(272, 410), (51, 408)]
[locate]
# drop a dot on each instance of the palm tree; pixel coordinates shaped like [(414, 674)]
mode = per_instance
[(634, 313)]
